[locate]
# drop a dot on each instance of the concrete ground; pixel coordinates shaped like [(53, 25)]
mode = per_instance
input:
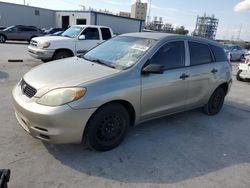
[(184, 150)]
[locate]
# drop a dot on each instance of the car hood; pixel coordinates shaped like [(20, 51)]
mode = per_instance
[(66, 73), (51, 39)]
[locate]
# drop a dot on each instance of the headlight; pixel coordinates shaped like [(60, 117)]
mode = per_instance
[(61, 96), (43, 44)]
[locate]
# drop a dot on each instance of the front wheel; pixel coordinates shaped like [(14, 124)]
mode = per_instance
[(61, 55), (238, 75), (2, 39), (107, 127), (242, 58), (215, 102)]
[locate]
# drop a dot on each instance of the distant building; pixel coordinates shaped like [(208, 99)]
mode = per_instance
[(16, 14), (139, 10), (206, 26), (124, 14), (158, 25)]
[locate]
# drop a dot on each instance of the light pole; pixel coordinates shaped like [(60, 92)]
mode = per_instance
[(24, 2)]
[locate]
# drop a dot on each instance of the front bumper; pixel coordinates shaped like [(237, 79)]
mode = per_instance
[(44, 54), (245, 68), (58, 125)]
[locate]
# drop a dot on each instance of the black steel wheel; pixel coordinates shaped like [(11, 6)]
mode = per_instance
[(215, 102), (107, 127), (61, 55)]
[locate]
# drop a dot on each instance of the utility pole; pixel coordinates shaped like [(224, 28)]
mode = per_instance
[(24, 2)]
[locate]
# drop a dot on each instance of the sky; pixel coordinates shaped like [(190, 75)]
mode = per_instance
[(233, 15)]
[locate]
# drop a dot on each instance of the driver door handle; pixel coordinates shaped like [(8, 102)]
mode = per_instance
[(214, 71), (184, 76)]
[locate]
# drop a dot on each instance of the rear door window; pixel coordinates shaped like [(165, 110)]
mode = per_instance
[(199, 53), (105, 33), (171, 55), (91, 34)]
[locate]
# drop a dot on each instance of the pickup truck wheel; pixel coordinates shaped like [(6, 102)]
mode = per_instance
[(215, 102), (238, 75), (2, 39), (61, 55), (107, 127)]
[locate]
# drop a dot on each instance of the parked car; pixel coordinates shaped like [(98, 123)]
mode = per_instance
[(2, 28), (19, 32), (58, 33), (126, 80), (74, 41), (53, 30), (236, 52), (244, 69)]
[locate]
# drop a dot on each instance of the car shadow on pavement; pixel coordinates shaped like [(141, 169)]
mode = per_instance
[(167, 150), (17, 42)]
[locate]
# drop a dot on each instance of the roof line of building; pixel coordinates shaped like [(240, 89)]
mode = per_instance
[(79, 11), (96, 12)]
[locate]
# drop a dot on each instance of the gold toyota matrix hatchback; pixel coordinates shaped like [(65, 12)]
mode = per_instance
[(127, 80)]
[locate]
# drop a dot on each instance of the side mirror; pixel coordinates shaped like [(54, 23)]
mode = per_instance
[(153, 69), (82, 37)]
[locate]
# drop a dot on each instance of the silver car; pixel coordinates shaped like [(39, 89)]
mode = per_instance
[(20, 33), (127, 80), (235, 52)]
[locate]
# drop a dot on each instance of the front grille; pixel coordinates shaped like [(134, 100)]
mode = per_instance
[(27, 90), (33, 43)]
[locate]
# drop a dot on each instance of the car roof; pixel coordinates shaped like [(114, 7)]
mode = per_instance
[(161, 36), (96, 26)]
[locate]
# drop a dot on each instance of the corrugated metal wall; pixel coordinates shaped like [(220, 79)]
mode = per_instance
[(118, 24), (13, 14)]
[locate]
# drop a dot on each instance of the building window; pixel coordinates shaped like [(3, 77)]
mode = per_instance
[(37, 12)]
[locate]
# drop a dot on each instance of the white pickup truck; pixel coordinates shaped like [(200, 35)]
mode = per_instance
[(74, 41)]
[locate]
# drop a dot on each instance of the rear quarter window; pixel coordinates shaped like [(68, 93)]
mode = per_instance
[(219, 53)]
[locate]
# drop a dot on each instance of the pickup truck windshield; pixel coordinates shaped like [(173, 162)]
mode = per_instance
[(72, 32), (120, 52)]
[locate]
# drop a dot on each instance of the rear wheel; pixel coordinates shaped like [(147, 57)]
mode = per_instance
[(238, 75), (61, 55), (215, 102), (107, 127), (2, 39)]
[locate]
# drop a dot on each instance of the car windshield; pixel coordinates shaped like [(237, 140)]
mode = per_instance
[(120, 52), (72, 32)]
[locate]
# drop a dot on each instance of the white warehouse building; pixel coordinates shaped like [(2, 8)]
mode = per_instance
[(16, 14)]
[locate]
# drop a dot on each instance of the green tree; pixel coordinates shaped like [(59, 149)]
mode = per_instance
[(181, 30)]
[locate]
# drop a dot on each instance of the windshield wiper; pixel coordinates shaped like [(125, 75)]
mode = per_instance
[(99, 62)]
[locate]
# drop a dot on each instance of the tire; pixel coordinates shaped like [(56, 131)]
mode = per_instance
[(2, 39), (61, 55), (242, 58), (108, 127), (31, 39), (238, 75), (45, 60), (215, 102)]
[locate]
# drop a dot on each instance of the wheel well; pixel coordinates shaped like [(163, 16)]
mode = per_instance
[(127, 105), (224, 86), (64, 49)]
